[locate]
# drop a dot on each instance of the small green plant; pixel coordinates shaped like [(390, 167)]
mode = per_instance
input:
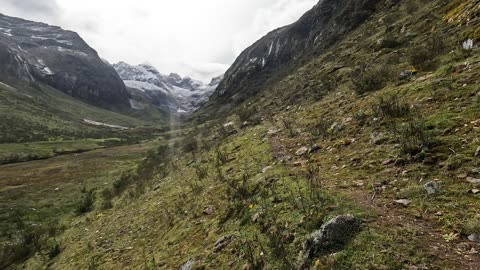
[(413, 136), (371, 79), (189, 144), (391, 106), (221, 156), (321, 128), (289, 126), (86, 202), (423, 56)]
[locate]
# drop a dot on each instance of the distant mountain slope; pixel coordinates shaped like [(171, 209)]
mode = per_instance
[(35, 112), (32, 51), (172, 92), (273, 56)]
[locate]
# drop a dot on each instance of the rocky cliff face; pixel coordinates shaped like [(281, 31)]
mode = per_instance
[(276, 54), (32, 51), (171, 92)]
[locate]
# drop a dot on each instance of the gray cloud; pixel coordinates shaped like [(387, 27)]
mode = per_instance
[(190, 37), (45, 7)]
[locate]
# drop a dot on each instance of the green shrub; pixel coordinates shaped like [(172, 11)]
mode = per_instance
[(391, 106), (85, 204), (423, 57), (369, 80), (413, 136)]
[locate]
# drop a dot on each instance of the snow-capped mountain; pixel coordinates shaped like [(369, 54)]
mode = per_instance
[(180, 94)]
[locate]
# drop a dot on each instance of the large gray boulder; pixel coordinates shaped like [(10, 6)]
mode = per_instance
[(331, 237)]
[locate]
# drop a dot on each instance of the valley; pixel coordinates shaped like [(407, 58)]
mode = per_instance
[(349, 139)]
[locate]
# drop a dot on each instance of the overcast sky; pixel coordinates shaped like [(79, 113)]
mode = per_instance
[(198, 38)]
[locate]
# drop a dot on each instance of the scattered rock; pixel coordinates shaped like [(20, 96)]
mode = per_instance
[(222, 243), (473, 180), (300, 163), (378, 138), (388, 161), (229, 124), (301, 151), (208, 210), (407, 74), (272, 132), (256, 216), (402, 202), (188, 265), (474, 237), (264, 170), (244, 124), (331, 237), (432, 187), (314, 148), (477, 152)]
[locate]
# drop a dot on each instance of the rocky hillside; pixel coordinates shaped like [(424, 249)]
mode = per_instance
[(282, 50), (37, 52), (362, 153), (172, 92)]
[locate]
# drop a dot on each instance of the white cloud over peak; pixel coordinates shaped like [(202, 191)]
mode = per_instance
[(195, 38)]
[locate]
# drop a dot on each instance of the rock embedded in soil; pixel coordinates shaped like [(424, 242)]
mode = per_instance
[(403, 202), (222, 243), (208, 211), (301, 151), (474, 237), (432, 187), (473, 180), (331, 237), (188, 265), (314, 148)]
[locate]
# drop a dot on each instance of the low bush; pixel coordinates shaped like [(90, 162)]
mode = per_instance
[(368, 80), (391, 106)]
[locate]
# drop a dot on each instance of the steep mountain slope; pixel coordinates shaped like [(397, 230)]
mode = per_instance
[(172, 92), (282, 50), (32, 51), (380, 128)]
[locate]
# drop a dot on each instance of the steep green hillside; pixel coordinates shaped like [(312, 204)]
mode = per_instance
[(364, 155), (34, 112)]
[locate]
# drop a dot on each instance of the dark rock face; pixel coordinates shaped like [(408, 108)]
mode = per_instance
[(32, 51), (272, 57), (331, 237)]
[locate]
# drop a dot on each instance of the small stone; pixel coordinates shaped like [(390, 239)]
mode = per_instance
[(474, 237), (222, 242), (300, 163), (477, 152), (473, 180), (208, 211), (188, 265), (462, 176), (255, 217), (388, 162), (264, 170), (475, 191), (314, 148), (431, 187), (403, 202), (301, 151), (57, 189), (272, 132)]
